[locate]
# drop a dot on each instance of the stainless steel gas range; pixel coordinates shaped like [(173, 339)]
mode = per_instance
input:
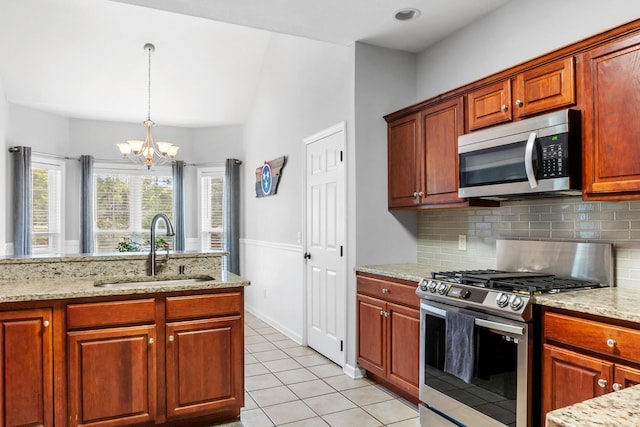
[(478, 358)]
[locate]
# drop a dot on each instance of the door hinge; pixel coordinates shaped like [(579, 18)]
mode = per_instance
[(341, 345), (341, 250), (341, 155)]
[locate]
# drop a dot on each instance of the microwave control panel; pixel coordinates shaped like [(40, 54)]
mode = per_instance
[(554, 155)]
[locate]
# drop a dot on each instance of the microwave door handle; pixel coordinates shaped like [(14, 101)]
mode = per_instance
[(528, 160)]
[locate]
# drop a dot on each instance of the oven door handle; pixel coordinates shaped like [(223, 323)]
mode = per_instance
[(502, 327), (483, 323)]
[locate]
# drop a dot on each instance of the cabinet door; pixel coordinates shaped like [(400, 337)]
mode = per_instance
[(570, 377), (489, 105), (204, 363), (625, 376), (403, 347), (371, 334), (545, 88), (112, 376), (441, 126), (611, 168), (26, 363), (404, 142)]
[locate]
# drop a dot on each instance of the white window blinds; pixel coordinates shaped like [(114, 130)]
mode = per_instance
[(47, 201), (126, 201), (211, 185)]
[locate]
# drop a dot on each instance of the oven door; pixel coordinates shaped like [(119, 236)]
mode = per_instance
[(499, 392)]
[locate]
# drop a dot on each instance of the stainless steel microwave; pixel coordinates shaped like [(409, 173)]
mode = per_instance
[(539, 156)]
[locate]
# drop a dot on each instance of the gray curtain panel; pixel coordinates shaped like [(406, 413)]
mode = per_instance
[(21, 158), (179, 240), (86, 204), (232, 214)]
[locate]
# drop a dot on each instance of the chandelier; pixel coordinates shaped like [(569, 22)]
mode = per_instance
[(148, 152)]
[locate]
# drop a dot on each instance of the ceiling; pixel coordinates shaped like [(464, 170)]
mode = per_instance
[(85, 58)]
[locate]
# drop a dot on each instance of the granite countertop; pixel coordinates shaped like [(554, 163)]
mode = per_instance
[(53, 289), (408, 271), (617, 409)]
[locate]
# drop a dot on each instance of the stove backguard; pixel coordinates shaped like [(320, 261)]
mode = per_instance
[(575, 260)]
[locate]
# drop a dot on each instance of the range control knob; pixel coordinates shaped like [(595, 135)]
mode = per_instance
[(442, 288), (432, 285), (423, 285), (516, 302), (502, 300), (465, 293)]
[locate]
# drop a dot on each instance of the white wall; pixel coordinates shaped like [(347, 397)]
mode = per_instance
[(518, 31), (51, 134), (304, 88)]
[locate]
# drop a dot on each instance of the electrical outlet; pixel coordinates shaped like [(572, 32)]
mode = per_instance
[(462, 242)]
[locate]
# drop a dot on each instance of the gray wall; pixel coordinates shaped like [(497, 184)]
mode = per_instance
[(4, 118), (516, 32), (494, 43)]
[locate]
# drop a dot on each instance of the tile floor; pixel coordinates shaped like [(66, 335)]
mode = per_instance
[(290, 385)]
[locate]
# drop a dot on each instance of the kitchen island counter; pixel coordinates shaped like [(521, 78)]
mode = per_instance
[(619, 409), (68, 288)]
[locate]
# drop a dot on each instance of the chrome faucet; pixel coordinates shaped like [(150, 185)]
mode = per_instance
[(170, 232)]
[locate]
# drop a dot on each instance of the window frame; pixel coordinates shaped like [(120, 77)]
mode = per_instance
[(59, 165), (202, 172), (135, 215)]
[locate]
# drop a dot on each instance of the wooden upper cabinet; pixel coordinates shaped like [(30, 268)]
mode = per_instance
[(545, 88), (441, 126), (538, 90), (403, 157), (489, 105), (423, 156), (611, 170)]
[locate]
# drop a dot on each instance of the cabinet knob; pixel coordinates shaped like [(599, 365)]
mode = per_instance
[(386, 314), (617, 387), (151, 341), (385, 290), (602, 383), (45, 323), (381, 312), (415, 194), (504, 107), (171, 338), (611, 342), (519, 102), (420, 193)]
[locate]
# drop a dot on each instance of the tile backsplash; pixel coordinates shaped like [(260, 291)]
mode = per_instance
[(561, 219)]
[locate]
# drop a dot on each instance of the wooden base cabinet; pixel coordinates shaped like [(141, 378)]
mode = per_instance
[(176, 360), (112, 376), (389, 333), (202, 370), (26, 361), (586, 358)]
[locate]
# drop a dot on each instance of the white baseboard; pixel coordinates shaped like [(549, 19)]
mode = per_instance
[(354, 371), (281, 328)]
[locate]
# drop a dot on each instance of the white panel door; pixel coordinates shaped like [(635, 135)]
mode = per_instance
[(325, 237)]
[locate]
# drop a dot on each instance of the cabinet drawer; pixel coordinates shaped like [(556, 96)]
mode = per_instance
[(199, 306), (112, 313), (389, 291), (592, 335)]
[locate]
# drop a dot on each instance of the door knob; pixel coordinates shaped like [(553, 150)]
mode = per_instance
[(307, 255)]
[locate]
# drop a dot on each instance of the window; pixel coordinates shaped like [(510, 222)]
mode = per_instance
[(126, 200), (47, 176), (211, 188)]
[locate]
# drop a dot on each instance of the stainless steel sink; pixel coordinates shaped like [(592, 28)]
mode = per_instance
[(143, 281)]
